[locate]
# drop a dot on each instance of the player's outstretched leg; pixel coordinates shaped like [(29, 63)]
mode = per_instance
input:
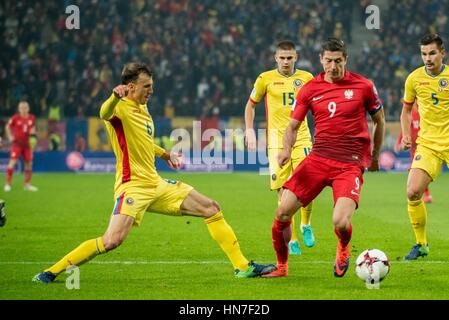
[(118, 229), (196, 204), (343, 211), (281, 232)]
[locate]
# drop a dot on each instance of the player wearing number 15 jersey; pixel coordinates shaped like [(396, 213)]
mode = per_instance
[(278, 88), (429, 87), (339, 101)]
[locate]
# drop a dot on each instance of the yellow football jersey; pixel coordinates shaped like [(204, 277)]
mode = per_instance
[(131, 132), (280, 93), (432, 96)]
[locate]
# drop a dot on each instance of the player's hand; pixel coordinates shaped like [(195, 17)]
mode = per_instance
[(374, 165), (283, 157), (175, 161), (250, 140), (406, 142), (397, 147), (120, 91)]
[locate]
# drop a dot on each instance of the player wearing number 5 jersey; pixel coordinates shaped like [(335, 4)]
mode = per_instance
[(429, 87), (278, 88), (18, 131), (339, 101)]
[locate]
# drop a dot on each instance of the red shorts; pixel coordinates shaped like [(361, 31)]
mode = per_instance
[(315, 173), (18, 150)]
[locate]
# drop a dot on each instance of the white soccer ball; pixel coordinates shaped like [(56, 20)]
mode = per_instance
[(372, 266)]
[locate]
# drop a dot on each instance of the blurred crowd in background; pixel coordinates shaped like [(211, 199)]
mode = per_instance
[(205, 54)]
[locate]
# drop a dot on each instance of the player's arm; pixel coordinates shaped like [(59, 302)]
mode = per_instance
[(8, 131), (378, 138), (406, 114), (108, 107), (172, 159), (299, 113), (406, 122), (259, 90), (250, 134), (288, 141)]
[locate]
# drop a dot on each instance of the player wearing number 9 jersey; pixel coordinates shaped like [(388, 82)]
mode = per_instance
[(429, 87), (339, 101)]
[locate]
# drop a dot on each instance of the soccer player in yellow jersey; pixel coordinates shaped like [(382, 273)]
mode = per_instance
[(138, 186), (429, 87), (279, 88)]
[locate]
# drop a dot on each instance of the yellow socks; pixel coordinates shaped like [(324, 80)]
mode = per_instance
[(83, 253), (222, 232), (306, 213), (417, 213)]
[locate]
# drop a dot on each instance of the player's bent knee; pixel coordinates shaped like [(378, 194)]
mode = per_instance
[(341, 224), (110, 243), (211, 209), (283, 215), (413, 194)]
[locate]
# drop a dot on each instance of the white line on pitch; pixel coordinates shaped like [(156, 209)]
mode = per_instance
[(196, 262)]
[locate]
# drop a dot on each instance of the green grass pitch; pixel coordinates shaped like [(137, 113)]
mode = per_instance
[(174, 258)]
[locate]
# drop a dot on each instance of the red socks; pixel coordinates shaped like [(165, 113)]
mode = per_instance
[(28, 174), (344, 236), (9, 172), (281, 234)]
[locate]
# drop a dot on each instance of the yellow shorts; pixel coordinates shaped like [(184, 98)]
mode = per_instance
[(279, 175), (429, 160), (166, 198)]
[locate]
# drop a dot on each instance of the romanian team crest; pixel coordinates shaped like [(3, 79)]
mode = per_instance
[(149, 129), (297, 83), (273, 177), (349, 94), (443, 83), (129, 201), (418, 157)]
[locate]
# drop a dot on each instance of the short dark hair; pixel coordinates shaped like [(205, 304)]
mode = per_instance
[(333, 44), (285, 45), (432, 38), (131, 71)]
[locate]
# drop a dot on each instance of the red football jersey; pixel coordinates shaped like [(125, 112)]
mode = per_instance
[(21, 127), (339, 110)]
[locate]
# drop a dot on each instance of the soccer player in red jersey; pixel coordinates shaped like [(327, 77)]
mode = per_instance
[(2, 205), (339, 101), (414, 129), (18, 131)]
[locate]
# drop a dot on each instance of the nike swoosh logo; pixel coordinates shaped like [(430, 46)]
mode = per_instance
[(354, 193), (317, 98)]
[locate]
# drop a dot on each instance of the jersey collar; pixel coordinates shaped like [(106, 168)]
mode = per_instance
[(295, 70), (129, 101), (442, 69)]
